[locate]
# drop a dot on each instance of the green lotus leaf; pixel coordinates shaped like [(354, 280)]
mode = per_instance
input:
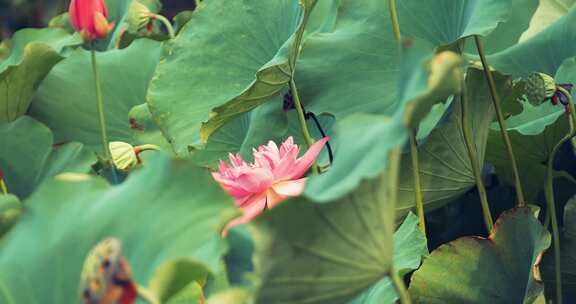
[(32, 54), (445, 21), (548, 12), (171, 281), (543, 53), (426, 80), (265, 123), (520, 17), (191, 294), (445, 169), (231, 296), (73, 116), (498, 269), (532, 153), (409, 248), (353, 67), (444, 163), (567, 255), (247, 51), (145, 130), (159, 214), (333, 253), (27, 156)]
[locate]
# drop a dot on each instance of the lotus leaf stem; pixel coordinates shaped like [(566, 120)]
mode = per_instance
[(101, 116), (400, 288), (302, 118), (501, 121), (166, 23), (472, 154), (417, 182), (100, 103), (550, 201), (413, 141), (392, 193), (394, 19), (3, 186)]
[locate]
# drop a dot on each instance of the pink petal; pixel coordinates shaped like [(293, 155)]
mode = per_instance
[(251, 211), (269, 152), (284, 190), (287, 145), (231, 187), (290, 188), (236, 160), (305, 162), (286, 164), (255, 180), (223, 167)]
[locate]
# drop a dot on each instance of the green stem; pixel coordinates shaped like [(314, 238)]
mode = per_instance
[(166, 23), (302, 118), (400, 288), (196, 4), (392, 193), (501, 121), (472, 154), (413, 142), (3, 186), (551, 204), (417, 183), (147, 147), (101, 117), (394, 18)]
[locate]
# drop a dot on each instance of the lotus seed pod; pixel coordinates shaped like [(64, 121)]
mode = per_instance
[(123, 155), (106, 276), (138, 17), (539, 87)]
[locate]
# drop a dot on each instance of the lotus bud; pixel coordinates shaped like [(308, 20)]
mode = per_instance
[(89, 18), (539, 87), (139, 16), (125, 156)]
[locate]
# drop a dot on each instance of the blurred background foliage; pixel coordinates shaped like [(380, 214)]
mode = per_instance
[(18, 14)]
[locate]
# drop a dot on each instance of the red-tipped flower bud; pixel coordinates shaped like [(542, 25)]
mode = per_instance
[(89, 18)]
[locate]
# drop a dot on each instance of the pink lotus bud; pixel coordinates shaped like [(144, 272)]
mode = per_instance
[(89, 18)]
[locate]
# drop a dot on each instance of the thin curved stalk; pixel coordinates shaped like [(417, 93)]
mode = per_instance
[(417, 183), (101, 117), (413, 142), (392, 191), (472, 154), (166, 24), (147, 147), (551, 204), (3, 186), (302, 119), (400, 288), (501, 121), (100, 103), (394, 19)]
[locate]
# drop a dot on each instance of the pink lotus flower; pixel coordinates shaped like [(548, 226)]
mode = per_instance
[(89, 18), (275, 176)]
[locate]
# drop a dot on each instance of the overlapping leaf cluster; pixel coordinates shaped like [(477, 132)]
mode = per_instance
[(219, 87)]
